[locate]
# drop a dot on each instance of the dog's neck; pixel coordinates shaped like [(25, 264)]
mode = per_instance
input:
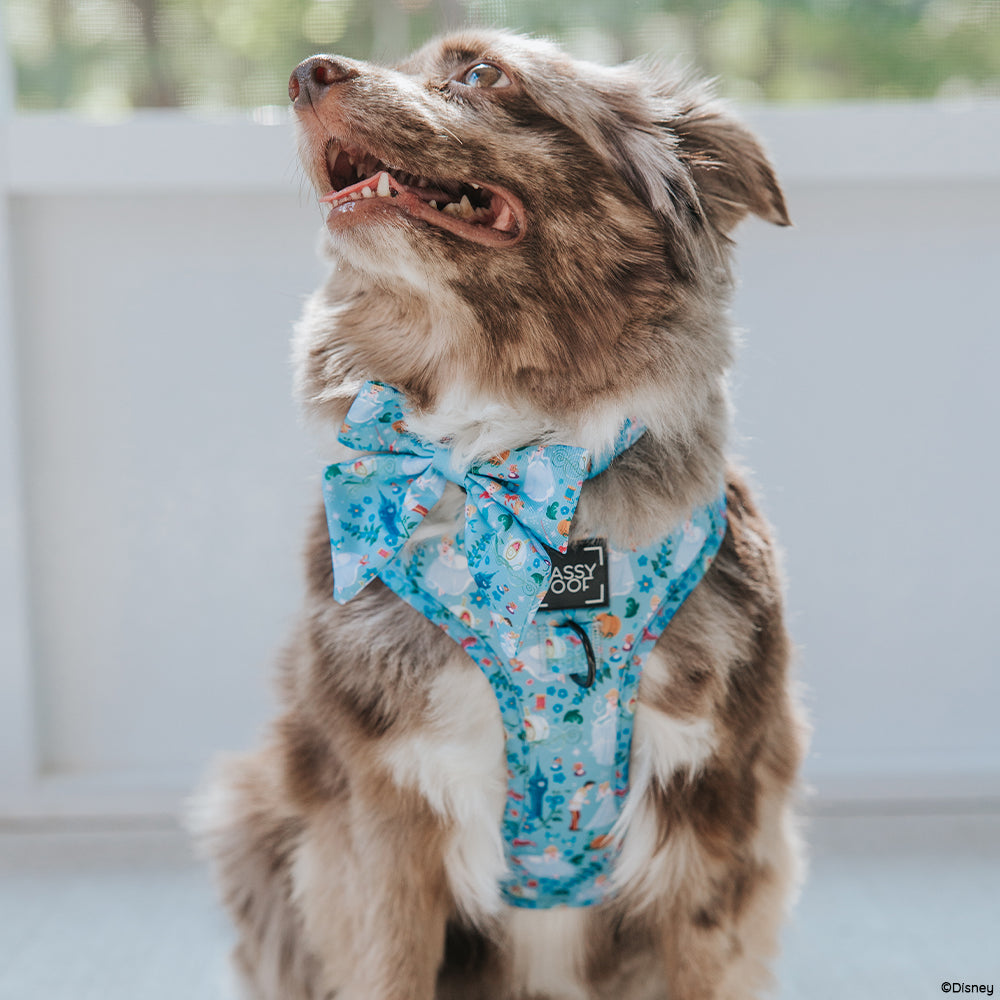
[(352, 332), (478, 424), (674, 467)]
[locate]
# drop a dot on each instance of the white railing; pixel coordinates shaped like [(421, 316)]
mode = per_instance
[(157, 151)]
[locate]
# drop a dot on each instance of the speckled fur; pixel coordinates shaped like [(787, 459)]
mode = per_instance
[(357, 849)]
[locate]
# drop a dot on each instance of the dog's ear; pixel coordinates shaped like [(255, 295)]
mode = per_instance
[(730, 169), (684, 157)]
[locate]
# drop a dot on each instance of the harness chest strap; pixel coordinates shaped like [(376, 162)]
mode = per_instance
[(568, 743)]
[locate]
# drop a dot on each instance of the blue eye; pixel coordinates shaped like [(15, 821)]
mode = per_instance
[(486, 75)]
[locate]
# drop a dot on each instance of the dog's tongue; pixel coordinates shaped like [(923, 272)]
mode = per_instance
[(505, 220)]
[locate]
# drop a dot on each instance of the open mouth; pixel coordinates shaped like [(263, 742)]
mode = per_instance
[(364, 186)]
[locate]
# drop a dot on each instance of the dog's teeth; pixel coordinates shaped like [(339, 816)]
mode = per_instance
[(453, 208), (332, 152), (471, 185), (465, 206), (433, 203), (367, 193), (383, 185)]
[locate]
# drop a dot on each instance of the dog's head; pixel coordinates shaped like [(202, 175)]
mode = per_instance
[(514, 224)]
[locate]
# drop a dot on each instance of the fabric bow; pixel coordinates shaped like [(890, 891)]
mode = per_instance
[(517, 503)]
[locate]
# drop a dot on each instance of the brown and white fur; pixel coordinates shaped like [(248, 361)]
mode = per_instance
[(359, 850)]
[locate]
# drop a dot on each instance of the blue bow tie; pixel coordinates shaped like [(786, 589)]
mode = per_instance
[(517, 503)]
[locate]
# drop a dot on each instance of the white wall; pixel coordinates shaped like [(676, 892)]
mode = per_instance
[(157, 477), (869, 407)]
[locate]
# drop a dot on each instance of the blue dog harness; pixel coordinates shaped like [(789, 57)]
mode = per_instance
[(561, 632)]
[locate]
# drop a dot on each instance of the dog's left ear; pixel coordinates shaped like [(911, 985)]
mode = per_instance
[(621, 120), (690, 160), (731, 171), (731, 174), (676, 147)]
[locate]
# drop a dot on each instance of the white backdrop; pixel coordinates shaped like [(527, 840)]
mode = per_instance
[(154, 479)]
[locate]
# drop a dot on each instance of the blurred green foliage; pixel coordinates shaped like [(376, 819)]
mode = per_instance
[(107, 56)]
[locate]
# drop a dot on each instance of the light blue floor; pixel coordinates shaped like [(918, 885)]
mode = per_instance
[(893, 907)]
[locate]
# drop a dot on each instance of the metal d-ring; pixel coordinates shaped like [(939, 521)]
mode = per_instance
[(588, 681)]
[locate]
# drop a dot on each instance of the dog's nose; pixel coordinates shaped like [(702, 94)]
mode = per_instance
[(316, 75)]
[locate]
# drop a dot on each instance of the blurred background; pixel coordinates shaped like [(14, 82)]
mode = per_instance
[(156, 242), (109, 56)]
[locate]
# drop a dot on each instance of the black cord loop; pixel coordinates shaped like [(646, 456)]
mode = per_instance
[(588, 681)]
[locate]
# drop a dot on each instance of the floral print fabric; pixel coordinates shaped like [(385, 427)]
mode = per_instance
[(517, 503), (567, 743), (567, 746)]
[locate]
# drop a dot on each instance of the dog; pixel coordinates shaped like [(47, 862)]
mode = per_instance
[(525, 321)]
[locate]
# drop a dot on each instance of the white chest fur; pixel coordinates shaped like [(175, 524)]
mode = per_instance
[(547, 952)]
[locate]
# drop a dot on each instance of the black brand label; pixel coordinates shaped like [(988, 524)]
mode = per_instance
[(579, 578)]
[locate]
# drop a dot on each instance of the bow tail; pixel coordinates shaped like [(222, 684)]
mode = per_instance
[(372, 507)]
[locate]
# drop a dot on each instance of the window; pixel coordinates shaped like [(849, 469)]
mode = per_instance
[(108, 56)]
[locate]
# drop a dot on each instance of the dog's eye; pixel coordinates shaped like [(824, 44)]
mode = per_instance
[(486, 75)]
